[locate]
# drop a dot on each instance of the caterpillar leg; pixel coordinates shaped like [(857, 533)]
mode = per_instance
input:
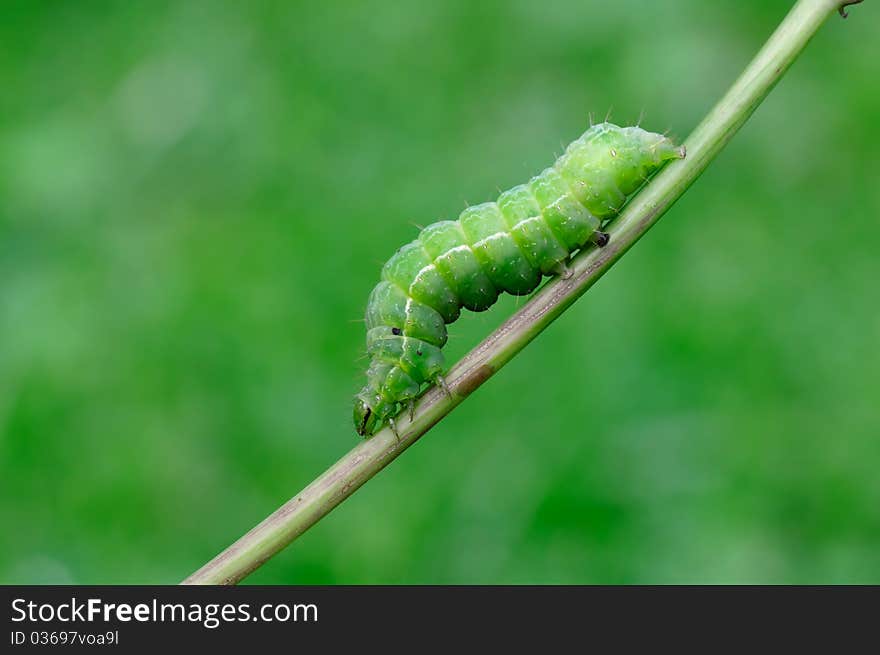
[(393, 426), (600, 238), (440, 381), (411, 406), (562, 270)]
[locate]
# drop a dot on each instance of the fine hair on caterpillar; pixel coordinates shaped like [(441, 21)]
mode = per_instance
[(504, 246)]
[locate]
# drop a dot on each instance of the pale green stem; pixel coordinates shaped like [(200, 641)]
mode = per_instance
[(370, 456)]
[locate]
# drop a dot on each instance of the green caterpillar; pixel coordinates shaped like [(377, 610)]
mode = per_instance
[(503, 246)]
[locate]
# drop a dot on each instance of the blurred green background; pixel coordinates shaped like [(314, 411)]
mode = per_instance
[(196, 199)]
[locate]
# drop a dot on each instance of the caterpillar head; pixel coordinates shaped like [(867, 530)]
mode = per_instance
[(632, 154), (370, 414), (613, 159), (661, 147)]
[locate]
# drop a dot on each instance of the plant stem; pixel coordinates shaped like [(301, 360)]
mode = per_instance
[(368, 458)]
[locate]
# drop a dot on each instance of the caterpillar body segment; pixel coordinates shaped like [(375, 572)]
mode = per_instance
[(505, 246)]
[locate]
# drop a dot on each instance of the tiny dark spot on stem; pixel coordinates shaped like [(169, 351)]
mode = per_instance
[(396, 331)]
